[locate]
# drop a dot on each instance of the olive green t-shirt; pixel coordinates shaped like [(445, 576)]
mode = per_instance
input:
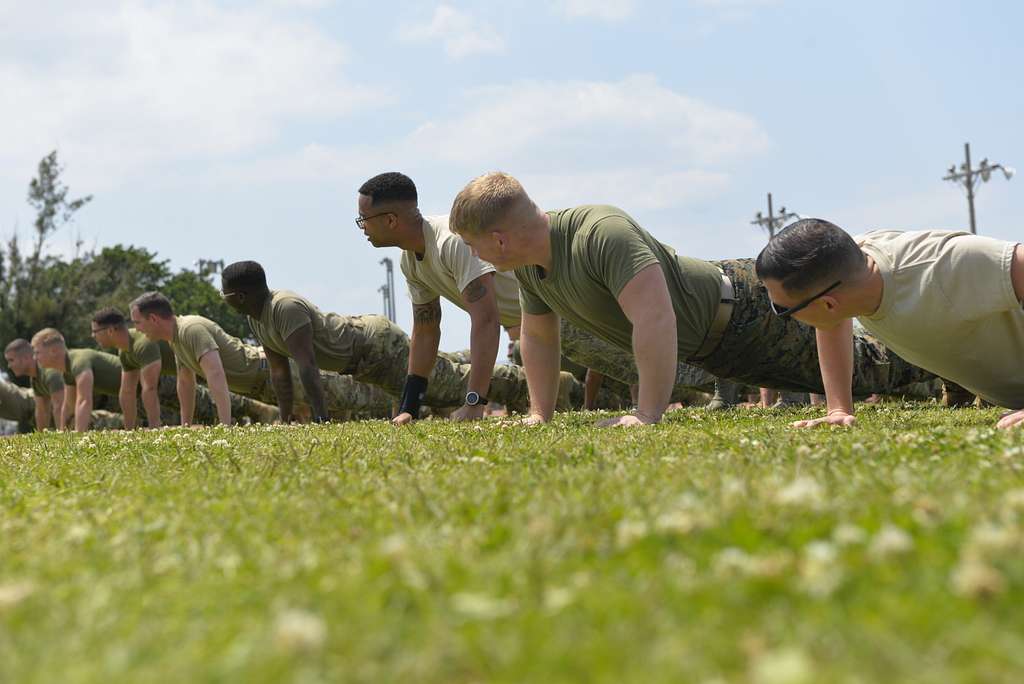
[(46, 382), (143, 351), (106, 370), (196, 336), (595, 251), (284, 312)]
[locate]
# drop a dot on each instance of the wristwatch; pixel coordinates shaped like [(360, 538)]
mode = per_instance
[(474, 399)]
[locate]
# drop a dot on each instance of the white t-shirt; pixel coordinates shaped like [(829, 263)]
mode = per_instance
[(448, 265), (948, 306)]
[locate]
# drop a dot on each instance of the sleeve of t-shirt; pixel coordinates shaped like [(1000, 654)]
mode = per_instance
[(459, 261), (974, 273), (76, 366), (616, 252), (126, 361), (419, 293), (147, 353), (198, 341), (289, 315), (54, 382), (530, 301)]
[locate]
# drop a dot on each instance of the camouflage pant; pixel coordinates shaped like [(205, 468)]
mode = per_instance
[(762, 349), (381, 357), (206, 407), (345, 397), (18, 404), (612, 394), (607, 359)]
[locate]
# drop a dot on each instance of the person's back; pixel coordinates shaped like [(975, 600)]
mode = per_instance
[(197, 336), (948, 305), (106, 370)]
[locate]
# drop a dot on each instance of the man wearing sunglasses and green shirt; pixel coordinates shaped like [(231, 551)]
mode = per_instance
[(597, 268), (947, 301)]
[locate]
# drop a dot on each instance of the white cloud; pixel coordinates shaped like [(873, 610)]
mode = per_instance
[(634, 142), (607, 10), (460, 33), (130, 87)]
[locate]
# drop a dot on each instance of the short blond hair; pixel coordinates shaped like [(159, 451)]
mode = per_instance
[(485, 200), (47, 337)]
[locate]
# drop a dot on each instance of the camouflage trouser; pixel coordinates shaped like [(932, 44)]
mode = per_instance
[(762, 349), (613, 394), (345, 397), (206, 407), (18, 404), (607, 359), (381, 357)]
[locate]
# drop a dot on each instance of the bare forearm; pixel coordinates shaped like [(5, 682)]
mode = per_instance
[(835, 357), (83, 413), (654, 346), (483, 350), (151, 402), (284, 391), (186, 400), (128, 408), (423, 349), (542, 363), (312, 384), (222, 398), (42, 417)]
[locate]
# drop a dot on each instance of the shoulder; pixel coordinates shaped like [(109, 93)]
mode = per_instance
[(286, 302)]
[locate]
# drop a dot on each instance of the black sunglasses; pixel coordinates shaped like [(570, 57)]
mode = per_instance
[(363, 219), (786, 312)]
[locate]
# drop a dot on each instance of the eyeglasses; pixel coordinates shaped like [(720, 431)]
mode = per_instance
[(229, 295), (97, 331), (363, 219), (786, 312)]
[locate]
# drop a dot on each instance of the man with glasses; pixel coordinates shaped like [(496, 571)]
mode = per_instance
[(597, 268), (950, 302)]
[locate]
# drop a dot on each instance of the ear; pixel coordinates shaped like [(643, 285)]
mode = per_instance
[(499, 238), (830, 303)]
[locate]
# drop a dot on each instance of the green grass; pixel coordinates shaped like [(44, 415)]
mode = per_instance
[(712, 548)]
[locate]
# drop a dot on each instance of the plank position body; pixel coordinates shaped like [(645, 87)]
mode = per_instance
[(949, 302), (47, 383), (370, 348), (230, 367), (594, 266), (85, 371)]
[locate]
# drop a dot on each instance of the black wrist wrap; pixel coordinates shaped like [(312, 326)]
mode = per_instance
[(412, 395)]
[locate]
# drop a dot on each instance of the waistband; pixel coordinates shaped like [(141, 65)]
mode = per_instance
[(720, 322)]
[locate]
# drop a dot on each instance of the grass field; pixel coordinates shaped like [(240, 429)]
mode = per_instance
[(712, 548)]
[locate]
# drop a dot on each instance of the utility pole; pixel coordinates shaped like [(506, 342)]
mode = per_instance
[(387, 290), (773, 222), (207, 268), (968, 177)]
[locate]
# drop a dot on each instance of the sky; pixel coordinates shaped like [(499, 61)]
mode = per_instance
[(242, 130)]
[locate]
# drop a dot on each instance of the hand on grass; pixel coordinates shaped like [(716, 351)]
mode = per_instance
[(533, 419), (469, 413), (1013, 419), (838, 418), (628, 420), (402, 419)]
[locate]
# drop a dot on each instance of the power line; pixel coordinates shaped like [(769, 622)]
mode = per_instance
[(969, 178)]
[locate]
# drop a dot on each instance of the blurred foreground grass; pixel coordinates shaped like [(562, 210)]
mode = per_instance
[(712, 548)]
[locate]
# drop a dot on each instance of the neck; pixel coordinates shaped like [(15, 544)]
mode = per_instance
[(410, 229), (122, 340), (867, 295), (538, 243)]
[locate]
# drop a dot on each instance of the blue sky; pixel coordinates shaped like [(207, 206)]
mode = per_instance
[(242, 130)]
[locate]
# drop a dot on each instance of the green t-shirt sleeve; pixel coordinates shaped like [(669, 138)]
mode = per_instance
[(77, 364), (289, 315), (127, 363), (53, 381), (616, 253), (146, 352), (530, 302), (198, 341)]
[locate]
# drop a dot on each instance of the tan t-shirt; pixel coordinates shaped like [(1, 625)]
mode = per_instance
[(595, 251), (948, 306), (448, 265), (284, 312), (244, 367)]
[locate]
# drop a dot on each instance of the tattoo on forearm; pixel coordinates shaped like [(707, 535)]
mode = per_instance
[(427, 313), (475, 291)]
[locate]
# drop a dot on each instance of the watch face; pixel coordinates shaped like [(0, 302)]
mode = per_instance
[(472, 399)]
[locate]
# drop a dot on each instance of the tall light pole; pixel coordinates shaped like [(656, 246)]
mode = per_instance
[(388, 289), (968, 177), (772, 221)]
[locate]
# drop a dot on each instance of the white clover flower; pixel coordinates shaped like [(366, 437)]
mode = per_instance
[(783, 666), (14, 593), (557, 598), (802, 492), (223, 443), (481, 606), (629, 531), (299, 631), (820, 575), (393, 546), (846, 534), (974, 578), (731, 560), (803, 451), (891, 540), (676, 522), (987, 540)]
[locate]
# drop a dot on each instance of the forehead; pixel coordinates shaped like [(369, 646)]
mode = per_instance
[(365, 202)]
